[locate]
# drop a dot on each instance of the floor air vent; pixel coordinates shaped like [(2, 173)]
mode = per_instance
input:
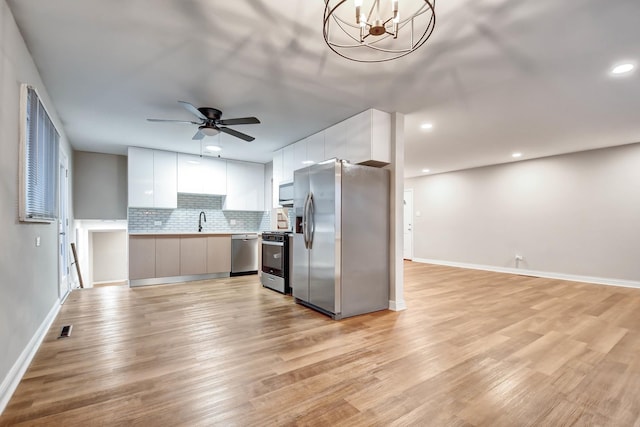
[(65, 331)]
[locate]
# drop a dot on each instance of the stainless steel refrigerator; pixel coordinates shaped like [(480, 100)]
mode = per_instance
[(341, 242)]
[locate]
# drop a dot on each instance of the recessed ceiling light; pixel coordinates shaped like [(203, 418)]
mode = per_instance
[(516, 155), (622, 68), (426, 170), (426, 126), (213, 148)]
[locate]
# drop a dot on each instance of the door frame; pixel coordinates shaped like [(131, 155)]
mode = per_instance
[(408, 191), (64, 261)]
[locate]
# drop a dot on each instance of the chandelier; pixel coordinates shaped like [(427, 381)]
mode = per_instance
[(375, 30)]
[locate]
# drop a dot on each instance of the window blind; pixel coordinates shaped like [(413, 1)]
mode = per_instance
[(40, 162)]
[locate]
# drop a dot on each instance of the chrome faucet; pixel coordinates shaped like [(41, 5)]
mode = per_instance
[(200, 221)]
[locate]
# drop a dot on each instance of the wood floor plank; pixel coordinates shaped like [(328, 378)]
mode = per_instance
[(474, 348)]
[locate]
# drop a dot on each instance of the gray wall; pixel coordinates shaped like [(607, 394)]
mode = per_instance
[(28, 274), (575, 214), (109, 259), (99, 185)]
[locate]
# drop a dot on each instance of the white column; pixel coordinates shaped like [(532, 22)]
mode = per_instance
[(396, 291)]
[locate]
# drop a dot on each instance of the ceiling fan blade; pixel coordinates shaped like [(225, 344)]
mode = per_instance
[(237, 134), (173, 121), (198, 136), (239, 121), (193, 110)]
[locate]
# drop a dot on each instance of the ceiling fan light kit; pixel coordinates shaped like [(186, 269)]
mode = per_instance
[(209, 131), (211, 122), (377, 30)]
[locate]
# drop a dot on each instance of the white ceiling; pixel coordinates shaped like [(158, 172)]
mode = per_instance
[(497, 76)]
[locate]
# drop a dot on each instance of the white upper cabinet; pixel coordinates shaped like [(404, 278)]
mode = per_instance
[(277, 177), (315, 148), (165, 180), (189, 173), (268, 189), (335, 140), (380, 139), (245, 186), (201, 175), (288, 160), (152, 178), (140, 177), (300, 155), (308, 151), (215, 176), (364, 138)]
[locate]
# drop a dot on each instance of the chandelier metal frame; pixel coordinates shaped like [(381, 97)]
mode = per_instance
[(366, 39)]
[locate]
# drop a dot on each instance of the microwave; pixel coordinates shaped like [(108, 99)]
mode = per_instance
[(285, 194)]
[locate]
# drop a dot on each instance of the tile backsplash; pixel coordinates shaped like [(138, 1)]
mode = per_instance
[(184, 218)]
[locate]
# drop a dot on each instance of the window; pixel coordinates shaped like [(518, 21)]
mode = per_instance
[(39, 160)]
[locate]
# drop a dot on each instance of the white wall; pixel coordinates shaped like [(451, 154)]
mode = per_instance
[(110, 263), (28, 274), (84, 231), (575, 214)]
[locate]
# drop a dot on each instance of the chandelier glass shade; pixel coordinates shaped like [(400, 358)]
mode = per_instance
[(377, 30)]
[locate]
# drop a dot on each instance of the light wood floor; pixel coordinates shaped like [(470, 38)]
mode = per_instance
[(473, 348)]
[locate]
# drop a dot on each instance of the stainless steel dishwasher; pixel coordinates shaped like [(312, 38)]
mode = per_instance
[(244, 254)]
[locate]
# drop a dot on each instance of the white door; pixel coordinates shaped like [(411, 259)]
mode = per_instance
[(64, 284), (408, 224)]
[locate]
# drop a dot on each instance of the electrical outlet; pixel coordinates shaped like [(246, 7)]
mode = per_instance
[(38, 241), (232, 222), (157, 222)]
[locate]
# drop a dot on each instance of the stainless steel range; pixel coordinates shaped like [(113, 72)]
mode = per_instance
[(276, 257)]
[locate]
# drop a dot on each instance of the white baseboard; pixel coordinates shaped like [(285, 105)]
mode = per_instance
[(11, 381), (545, 274), (397, 305), (110, 281)]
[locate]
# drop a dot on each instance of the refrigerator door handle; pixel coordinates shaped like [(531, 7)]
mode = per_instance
[(311, 217), (305, 219)]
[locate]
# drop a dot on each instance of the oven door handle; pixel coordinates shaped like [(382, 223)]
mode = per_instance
[(273, 243)]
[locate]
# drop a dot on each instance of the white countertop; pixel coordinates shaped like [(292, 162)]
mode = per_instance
[(191, 233)]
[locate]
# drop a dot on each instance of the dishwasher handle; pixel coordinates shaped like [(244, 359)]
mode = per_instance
[(245, 237)]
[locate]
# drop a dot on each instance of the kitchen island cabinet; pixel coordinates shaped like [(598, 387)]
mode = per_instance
[(172, 258)]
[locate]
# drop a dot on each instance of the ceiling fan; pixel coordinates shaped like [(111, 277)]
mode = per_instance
[(211, 122)]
